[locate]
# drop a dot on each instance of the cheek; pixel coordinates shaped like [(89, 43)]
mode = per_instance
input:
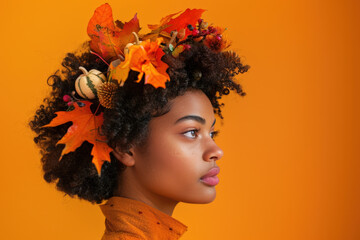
[(171, 164)]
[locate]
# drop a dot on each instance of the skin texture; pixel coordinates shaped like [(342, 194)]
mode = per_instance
[(167, 170)]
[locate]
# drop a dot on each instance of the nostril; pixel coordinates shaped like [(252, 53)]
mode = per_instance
[(213, 154)]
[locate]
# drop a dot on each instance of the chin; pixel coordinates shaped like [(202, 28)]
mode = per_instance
[(207, 196)]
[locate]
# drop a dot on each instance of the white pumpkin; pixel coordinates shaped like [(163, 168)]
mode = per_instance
[(87, 83)]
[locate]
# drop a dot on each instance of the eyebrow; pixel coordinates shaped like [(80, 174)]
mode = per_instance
[(195, 118)]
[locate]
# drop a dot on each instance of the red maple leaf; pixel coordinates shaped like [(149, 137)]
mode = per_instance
[(168, 24), (85, 127), (108, 39)]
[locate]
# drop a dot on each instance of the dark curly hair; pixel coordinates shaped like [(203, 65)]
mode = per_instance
[(126, 124)]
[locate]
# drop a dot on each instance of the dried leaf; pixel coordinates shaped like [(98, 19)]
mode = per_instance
[(154, 34), (163, 21)]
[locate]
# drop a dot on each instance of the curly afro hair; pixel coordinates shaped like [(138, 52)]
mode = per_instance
[(126, 124)]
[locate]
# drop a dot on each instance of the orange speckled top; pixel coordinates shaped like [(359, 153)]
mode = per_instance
[(132, 219)]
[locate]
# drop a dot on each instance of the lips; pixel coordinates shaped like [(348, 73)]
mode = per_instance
[(212, 172), (210, 178)]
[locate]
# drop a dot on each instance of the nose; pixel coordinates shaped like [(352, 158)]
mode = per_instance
[(213, 152)]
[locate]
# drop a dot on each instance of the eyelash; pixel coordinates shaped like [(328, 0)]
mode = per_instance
[(214, 133)]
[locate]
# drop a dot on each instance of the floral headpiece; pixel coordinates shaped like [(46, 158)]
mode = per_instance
[(123, 48)]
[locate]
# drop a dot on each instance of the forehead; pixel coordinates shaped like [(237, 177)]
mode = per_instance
[(193, 102)]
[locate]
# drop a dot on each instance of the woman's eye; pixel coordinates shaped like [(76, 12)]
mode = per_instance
[(194, 133), (191, 133), (214, 134)]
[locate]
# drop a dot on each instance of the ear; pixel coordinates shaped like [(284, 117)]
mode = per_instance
[(125, 158)]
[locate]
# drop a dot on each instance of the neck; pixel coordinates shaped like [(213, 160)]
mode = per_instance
[(129, 187)]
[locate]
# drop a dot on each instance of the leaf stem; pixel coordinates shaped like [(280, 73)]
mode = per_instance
[(99, 56)]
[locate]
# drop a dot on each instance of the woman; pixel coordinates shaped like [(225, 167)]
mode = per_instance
[(136, 132)]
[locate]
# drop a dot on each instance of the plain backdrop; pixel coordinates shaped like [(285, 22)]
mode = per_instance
[(291, 165)]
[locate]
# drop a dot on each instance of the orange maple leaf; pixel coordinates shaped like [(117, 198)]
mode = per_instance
[(144, 58), (85, 127), (109, 39)]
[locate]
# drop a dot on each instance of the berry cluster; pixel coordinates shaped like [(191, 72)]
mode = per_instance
[(71, 100), (203, 29)]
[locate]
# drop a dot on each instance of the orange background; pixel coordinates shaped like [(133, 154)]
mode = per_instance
[(291, 165)]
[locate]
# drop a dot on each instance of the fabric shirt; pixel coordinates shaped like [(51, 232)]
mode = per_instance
[(132, 219)]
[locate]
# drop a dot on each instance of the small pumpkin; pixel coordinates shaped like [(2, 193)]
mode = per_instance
[(87, 83), (126, 49)]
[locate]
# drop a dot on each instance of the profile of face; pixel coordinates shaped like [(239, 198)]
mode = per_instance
[(179, 151)]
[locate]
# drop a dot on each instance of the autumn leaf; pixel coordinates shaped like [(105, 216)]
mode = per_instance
[(120, 72), (144, 58), (189, 16), (163, 21), (108, 39), (102, 15), (85, 127), (100, 29), (127, 28)]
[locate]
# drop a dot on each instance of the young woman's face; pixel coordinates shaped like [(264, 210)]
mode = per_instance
[(180, 150)]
